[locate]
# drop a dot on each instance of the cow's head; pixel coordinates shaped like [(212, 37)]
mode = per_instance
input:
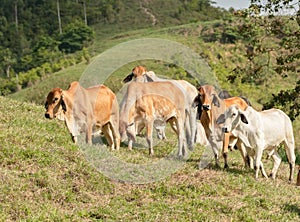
[(232, 117), (208, 97), (137, 73), (55, 105), (127, 131)]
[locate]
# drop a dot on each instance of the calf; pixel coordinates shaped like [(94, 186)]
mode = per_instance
[(82, 109), (146, 102), (261, 131)]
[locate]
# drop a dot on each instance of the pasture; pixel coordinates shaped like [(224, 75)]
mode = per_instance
[(45, 177)]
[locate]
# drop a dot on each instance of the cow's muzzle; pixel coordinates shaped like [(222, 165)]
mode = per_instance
[(225, 129), (48, 116), (206, 107)]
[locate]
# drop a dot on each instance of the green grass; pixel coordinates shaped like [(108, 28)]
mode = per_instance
[(45, 177)]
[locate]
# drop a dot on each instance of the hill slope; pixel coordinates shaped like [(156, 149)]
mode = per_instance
[(45, 177)]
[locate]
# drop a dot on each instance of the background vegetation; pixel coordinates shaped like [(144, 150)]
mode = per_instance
[(46, 177)]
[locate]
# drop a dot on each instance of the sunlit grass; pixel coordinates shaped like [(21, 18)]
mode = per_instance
[(45, 177)]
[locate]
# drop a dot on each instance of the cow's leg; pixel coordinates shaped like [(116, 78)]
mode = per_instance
[(188, 130), (298, 177), (250, 156), (74, 139), (290, 152), (131, 136), (262, 169), (116, 135), (277, 161), (181, 138), (173, 124), (70, 123), (108, 135), (258, 163), (89, 133), (225, 149), (193, 124), (130, 144), (214, 146), (149, 132), (248, 160)]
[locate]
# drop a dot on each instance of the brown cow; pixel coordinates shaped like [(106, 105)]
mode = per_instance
[(146, 102), (212, 108), (84, 109)]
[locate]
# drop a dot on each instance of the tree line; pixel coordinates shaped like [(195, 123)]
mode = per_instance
[(40, 36)]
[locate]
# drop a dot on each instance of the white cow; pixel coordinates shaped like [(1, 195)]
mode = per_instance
[(261, 131)]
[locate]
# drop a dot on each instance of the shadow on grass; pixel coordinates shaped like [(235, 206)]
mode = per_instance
[(212, 166), (292, 208)]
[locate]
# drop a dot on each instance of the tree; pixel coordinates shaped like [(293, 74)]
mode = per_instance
[(58, 17), (7, 60), (273, 47), (76, 36), (16, 15)]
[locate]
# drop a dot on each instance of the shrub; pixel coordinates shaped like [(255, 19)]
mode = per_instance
[(76, 36)]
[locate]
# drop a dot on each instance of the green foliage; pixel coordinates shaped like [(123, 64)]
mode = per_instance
[(223, 32), (34, 75), (287, 100), (272, 48), (29, 31), (76, 36)]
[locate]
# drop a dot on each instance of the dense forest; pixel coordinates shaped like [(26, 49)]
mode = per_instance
[(40, 37), (39, 33)]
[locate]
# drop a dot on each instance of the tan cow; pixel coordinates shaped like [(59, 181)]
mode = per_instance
[(86, 109), (140, 74), (146, 102), (212, 107)]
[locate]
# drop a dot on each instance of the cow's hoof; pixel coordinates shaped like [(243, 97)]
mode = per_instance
[(180, 157)]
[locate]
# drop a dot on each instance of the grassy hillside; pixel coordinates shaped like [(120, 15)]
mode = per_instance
[(222, 58), (47, 178)]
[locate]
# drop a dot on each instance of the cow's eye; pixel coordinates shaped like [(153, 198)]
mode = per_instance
[(233, 114), (55, 99)]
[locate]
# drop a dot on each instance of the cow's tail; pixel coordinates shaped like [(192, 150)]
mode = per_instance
[(289, 144)]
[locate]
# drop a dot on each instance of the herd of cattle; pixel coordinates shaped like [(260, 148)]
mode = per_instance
[(151, 102)]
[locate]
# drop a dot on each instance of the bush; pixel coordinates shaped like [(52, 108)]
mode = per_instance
[(76, 36)]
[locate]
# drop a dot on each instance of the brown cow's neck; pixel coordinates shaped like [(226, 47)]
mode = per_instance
[(68, 101)]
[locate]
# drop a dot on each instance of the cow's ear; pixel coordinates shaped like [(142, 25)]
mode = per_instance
[(197, 103), (63, 105), (243, 118), (148, 78), (46, 105), (128, 78), (216, 101), (221, 119)]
